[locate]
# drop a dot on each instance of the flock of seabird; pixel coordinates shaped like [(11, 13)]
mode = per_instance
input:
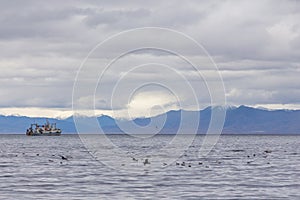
[(183, 163)]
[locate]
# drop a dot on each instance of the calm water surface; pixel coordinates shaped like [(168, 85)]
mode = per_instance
[(239, 167)]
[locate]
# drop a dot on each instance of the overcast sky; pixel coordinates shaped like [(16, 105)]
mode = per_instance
[(255, 44)]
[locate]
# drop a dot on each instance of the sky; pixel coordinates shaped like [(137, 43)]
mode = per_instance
[(254, 44)]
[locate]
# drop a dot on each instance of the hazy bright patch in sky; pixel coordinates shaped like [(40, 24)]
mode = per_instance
[(255, 44)]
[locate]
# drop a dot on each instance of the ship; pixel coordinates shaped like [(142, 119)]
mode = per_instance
[(43, 130)]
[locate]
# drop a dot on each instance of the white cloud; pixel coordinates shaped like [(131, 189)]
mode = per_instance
[(151, 104)]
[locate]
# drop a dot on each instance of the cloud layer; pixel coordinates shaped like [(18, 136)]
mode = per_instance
[(255, 44)]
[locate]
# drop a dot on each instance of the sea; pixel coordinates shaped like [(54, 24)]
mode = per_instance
[(65, 167)]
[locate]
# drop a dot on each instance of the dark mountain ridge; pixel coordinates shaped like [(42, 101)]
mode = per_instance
[(239, 120)]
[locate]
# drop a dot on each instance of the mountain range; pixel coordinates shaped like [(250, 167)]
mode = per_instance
[(239, 120)]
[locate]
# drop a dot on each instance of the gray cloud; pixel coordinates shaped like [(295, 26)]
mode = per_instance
[(114, 18), (256, 45)]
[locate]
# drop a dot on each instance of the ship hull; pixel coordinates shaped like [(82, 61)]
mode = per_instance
[(43, 134)]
